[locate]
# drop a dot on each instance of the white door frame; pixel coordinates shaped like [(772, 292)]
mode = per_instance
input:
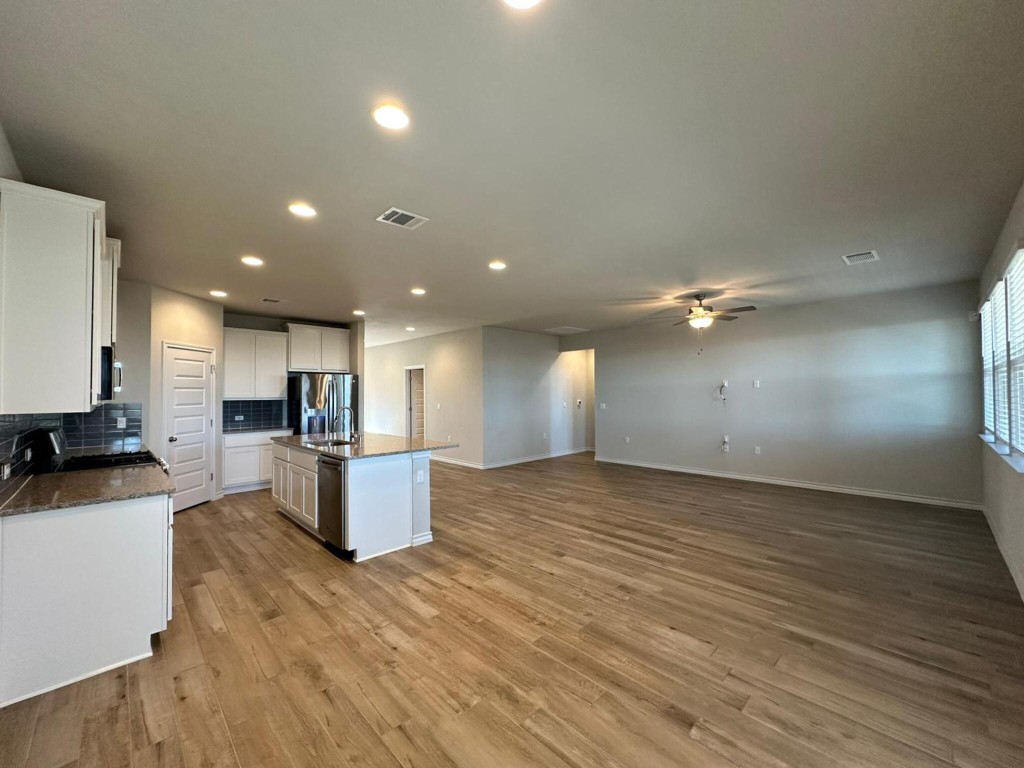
[(215, 431), (408, 398)]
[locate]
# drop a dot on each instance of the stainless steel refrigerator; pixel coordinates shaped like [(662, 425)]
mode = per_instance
[(323, 402)]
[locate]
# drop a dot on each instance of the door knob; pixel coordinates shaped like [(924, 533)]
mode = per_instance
[(172, 439)]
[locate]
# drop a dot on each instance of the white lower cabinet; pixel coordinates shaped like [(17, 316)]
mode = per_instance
[(294, 485), (248, 460), (82, 590)]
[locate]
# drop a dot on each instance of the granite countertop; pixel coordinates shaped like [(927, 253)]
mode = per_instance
[(60, 490), (370, 445)]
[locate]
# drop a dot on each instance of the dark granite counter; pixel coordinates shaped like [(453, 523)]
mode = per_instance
[(370, 445), (89, 486)]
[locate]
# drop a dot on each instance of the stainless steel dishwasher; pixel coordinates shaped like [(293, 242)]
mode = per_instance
[(330, 501)]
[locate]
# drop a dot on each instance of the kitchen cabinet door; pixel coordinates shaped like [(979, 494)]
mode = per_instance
[(271, 365), (241, 465), (304, 348), (279, 484), (266, 463), (309, 515), (295, 491), (334, 350), (239, 363)]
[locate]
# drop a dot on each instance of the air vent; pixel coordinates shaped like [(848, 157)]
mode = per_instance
[(566, 330), (403, 219), (268, 300), (860, 258)]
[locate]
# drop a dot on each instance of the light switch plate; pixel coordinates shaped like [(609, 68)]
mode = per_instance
[(420, 476)]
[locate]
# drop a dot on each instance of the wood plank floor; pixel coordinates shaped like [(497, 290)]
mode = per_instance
[(569, 614)]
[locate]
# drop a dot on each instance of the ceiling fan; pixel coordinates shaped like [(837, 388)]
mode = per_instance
[(702, 317)]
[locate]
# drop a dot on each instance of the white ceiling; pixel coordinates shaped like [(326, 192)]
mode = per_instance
[(610, 152)]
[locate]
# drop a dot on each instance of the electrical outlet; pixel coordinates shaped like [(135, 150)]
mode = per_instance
[(439, 406), (627, 438), (579, 404), (757, 383), (604, 406), (122, 423), (28, 454), (757, 450), (420, 476), (544, 435), (6, 469), (725, 447), (565, 403), (239, 418), (449, 438)]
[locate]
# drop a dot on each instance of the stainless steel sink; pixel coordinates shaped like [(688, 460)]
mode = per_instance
[(330, 443)]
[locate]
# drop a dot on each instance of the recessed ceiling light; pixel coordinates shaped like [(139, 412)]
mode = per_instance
[(219, 294), (302, 210), (252, 261), (409, 328), (358, 312), (522, 5), (418, 291), (392, 117), (497, 265)]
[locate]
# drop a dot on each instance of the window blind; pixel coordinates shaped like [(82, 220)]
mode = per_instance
[(1015, 325), (986, 366), (999, 367)]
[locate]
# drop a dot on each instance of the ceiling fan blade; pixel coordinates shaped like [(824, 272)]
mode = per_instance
[(726, 317), (737, 309), (681, 322)]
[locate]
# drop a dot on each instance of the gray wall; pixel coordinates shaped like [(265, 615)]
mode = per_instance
[(530, 389), (8, 166), (454, 379), (878, 393), (1004, 484)]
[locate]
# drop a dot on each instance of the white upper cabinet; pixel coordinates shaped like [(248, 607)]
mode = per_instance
[(110, 264), (255, 364), (239, 363), (317, 349), (271, 365), (51, 295)]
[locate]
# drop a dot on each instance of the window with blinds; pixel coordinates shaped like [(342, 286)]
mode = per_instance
[(1002, 355), (999, 378), (986, 367), (1015, 334)]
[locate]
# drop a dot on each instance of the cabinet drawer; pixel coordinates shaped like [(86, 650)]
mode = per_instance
[(302, 459), (280, 452)]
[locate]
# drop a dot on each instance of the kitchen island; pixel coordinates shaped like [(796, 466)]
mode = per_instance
[(368, 496)]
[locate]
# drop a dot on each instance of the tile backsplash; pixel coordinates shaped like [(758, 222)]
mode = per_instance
[(256, 414), (97, 429)]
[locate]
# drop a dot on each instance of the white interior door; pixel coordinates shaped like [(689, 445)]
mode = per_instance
[(188, 423)]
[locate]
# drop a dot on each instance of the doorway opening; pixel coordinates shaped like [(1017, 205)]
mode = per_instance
[(415, 401), (188, 416)]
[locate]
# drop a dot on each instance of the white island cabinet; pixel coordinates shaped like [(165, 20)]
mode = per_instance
[(380, 487), (82, 590)]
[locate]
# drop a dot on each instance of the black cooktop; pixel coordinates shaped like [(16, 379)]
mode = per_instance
[(106, 460)]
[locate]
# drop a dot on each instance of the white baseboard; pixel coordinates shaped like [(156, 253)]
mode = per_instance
[(509, 462), (422, 538), (229, 489), (456, 462), (933, 501)]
